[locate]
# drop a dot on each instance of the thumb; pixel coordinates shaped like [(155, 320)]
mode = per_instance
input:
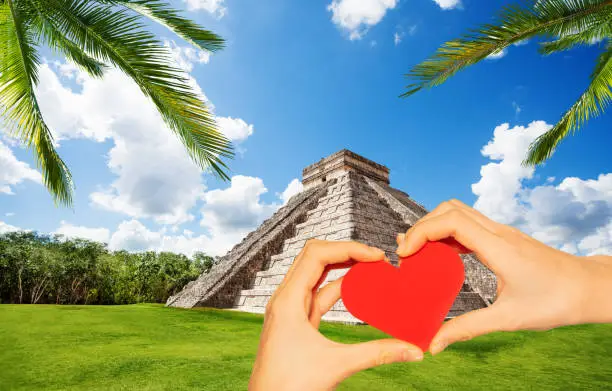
[(370, 354), (467, 326)]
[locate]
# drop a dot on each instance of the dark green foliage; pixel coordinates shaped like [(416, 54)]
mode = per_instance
[(49, 269)]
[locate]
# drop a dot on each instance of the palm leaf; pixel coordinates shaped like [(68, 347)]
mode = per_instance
[(552, 18), (115, 37), (590, 104), (160, 12), (46, 28), (18, 75), (596, 33)]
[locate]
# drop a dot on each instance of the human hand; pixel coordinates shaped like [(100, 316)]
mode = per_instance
[(538, 287), (292, 354)]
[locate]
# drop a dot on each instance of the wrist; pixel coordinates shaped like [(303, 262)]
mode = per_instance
[(596, 289)]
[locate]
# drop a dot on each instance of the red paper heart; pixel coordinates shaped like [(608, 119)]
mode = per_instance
[(410, 302)]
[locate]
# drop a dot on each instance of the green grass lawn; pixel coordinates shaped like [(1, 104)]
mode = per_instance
[(149, 347)]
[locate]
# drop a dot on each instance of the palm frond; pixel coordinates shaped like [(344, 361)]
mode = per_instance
[(590, 104), (160, 12), (46, 29), (18, 75), (113, 36), (550, 18), (596, 33)]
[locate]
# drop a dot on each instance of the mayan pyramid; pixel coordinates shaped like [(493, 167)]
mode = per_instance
[(345, 197)]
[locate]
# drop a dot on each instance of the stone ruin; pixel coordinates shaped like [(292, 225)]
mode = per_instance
[(345, 197)]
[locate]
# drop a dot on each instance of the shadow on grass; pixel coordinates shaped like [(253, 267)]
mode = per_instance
[(483, 348)]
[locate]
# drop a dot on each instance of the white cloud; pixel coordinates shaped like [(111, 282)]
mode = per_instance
[(497, 55), (228, 215), (234, 128), (521, 43), (150, 183), (575, 216), (448, 4), (215, 7), (132, 235), (400, 33), (68, 230), (14, 171), (517, 108), (501, 181), (5, 228), (187, 56), (397, 37), (294, 187), (357, 16), (238, 208), (9, 214)]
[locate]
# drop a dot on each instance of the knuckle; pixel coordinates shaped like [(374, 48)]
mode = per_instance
[(455, 216), (447, 205), (455, 202), (310, 245), (383, 358)]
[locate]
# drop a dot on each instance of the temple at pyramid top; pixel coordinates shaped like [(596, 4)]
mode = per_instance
[(340, 162), (345, 197)]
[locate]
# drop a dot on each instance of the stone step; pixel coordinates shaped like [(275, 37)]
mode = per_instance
[(331, 316), (259, 291), (276, 279), (342, 216)]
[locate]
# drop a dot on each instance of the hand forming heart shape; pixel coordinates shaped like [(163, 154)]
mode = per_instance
[(409, 302)]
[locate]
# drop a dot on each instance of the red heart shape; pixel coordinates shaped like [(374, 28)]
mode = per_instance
[(410, 302)]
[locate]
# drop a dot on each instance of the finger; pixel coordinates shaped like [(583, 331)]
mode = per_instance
[(307, 268), (324, 301), (442, 208), (370, 354), (400, 238), (457, 225), (483, 220), (461, 249), (447, 206), (468, 326), (327, 269)]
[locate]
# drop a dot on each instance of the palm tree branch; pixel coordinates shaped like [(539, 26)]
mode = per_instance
[(593, 34), (160, 12), (18, 75), (54, 38), (114, 37), (551, 17), (590, 104)]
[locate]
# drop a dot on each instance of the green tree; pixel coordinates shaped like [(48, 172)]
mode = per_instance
[(564, 24), (94, 34), (203, 262)]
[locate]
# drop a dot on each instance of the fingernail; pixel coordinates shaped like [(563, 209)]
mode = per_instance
[(437, 347), (411, 355)]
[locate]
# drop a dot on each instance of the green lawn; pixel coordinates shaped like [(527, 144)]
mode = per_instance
[(149, 347)]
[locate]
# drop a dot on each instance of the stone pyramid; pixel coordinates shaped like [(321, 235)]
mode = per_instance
[(345, 197)]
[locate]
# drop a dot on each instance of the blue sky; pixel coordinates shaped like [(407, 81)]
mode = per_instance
[(297, 82)]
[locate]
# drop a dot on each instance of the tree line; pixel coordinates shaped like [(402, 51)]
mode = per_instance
[(51, 269)]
